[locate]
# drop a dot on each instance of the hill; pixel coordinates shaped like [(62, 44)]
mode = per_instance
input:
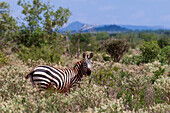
[(140, 28), (110, 28), (73, 27), (76, 26)]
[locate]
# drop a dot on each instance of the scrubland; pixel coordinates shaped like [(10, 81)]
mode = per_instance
[(131, 71), (112, 87)]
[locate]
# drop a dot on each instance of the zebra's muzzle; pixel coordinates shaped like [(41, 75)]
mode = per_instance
[(88, 72)]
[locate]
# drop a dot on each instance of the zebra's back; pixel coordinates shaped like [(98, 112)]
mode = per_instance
[(47, 77)]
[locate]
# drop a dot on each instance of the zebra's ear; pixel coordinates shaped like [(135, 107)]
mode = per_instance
[(91, 55), (84, 55)]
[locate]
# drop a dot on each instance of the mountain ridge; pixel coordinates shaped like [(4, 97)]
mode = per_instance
[(77, 26)]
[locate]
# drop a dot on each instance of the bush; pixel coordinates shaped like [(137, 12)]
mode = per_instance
[(3, 59), (47, 53), (132, 60), (157, 74), (104, 75), (163, 42), (164, 56), (149, 50), (105, 57), (121, 84), (36, 38), (102, 36), (116, 48)]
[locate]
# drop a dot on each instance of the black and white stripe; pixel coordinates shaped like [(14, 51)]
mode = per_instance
[(60, 79)]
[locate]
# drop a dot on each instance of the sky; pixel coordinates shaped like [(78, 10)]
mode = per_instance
[(120, 12)]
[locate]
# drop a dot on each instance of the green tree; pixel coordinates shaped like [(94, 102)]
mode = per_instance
[(32, 13), (164, 55), (164, 41), (38, 14), (8, 25), (55, 19), (116, 48), (102, 36), (129, 37), (87, 42), (3, 10), (148, 36), (150, 50)]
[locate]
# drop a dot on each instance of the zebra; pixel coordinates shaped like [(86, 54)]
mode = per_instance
[(61, 80)]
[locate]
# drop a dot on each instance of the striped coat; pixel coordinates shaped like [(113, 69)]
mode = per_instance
[(47, 77)]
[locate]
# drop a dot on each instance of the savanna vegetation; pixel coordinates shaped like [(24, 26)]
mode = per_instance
[(131, 71)]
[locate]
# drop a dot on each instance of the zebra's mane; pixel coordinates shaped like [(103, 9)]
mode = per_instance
[(78, 73)]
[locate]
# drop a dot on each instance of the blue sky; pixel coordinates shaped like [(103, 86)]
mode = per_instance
[(123, 12)]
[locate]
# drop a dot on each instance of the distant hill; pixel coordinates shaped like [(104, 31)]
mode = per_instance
[(135, 27), (76, 27), (110, 28)]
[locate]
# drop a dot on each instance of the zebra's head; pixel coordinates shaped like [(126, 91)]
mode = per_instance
[(87, 63)]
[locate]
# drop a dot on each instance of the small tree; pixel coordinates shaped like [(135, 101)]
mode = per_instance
[(39, 14), (150, 50), (164, 41), (164, 55), (8, 25), (102, 35), (116, 48)]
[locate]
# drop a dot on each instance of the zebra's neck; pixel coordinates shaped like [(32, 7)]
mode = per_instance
[(79, 71)]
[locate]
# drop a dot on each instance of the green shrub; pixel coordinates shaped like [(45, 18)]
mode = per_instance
[(36, 38), (116, 48), (157, 74), (149, 50), (3, 59), (104, 75), (161, 86), (164, 56), (132, 60), (47, 53), (122, 84), (102, 36), (105, 57), (98, 57), (163, 42)]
